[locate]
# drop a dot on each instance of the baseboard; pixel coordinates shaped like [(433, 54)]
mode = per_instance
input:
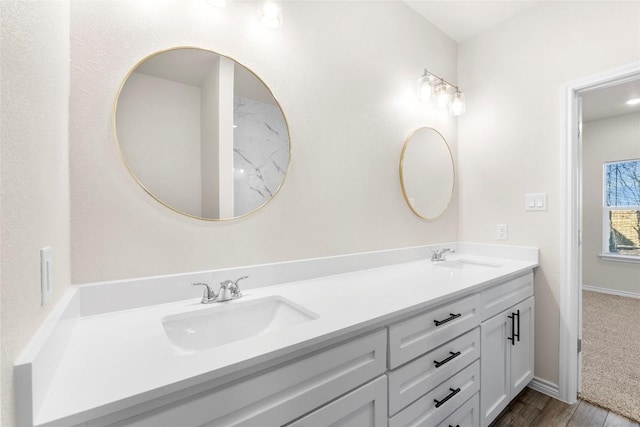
[(545, 387), (610, 291)]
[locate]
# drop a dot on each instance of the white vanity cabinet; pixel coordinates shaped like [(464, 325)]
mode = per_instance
[(363, 407), (436, 354), (283, 394), (461, 363), (507, 337)]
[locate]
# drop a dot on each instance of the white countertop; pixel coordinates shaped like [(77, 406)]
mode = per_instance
[(116, 360)]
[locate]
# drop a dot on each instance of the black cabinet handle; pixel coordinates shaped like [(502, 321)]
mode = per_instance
[(457, 425), (443, 401), (512, 338), (453, 356), (514, 334), (448, 319)]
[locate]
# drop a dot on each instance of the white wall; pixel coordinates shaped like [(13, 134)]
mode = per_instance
[(510, 138), (605, 140), (34, 174), (344, 74), (158, 126)]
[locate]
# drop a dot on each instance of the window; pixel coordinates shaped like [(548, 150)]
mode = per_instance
[(621, 213)]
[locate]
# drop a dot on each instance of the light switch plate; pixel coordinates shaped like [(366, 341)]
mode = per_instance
[(46, 283), (535, 202)]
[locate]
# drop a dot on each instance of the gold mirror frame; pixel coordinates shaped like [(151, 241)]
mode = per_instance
[(145, 187), (403, 179)]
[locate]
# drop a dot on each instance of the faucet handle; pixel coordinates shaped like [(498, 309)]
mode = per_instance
[(208, 295), (235, 288)]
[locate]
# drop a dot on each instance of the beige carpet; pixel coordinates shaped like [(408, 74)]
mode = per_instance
[(611, 353)]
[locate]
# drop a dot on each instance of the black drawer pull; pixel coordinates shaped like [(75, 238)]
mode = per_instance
[(443, 401), (448, 319), (512, 338), (453, 356), (457, 425), (514, 334)]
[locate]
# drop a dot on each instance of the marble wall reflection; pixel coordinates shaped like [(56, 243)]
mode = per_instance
[(260, 153)]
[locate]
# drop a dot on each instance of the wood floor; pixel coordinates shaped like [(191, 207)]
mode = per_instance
[(531, 408)]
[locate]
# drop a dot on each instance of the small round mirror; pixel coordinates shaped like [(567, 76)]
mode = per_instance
[(201, 134), (427, 173)]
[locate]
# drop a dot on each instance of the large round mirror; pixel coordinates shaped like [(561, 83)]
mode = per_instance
[(426, 173), (202, 134)]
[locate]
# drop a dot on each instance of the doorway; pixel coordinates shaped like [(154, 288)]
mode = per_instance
[(572, 225)]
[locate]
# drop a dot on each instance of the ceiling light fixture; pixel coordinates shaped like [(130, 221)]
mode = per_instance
[(634, 101), (444, 94), (270, 13)]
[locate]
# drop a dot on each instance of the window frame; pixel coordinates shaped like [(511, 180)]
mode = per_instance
[(606, 223)]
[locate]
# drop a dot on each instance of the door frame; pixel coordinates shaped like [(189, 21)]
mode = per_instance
[(571, 249)]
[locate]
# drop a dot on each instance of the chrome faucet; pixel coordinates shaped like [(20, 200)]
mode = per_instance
[(229, 290), (439, 255)]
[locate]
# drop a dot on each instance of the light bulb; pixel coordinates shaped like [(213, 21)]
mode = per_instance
[(634, 101), (270, 13), (457, 104), (425, 89), (442, 96)]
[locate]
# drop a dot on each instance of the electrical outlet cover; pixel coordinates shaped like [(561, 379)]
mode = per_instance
[(502, 232)]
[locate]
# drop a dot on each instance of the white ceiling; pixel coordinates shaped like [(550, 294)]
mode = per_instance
[(610, 101), (461, 20)]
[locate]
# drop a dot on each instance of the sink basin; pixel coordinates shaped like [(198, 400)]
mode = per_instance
[(466, 264), (225, 323)]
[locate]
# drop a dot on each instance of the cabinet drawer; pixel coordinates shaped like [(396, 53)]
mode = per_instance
[(500, 297), (409, 382), (468, 415), (451, 394), (281, 394), (363, 407), (417, 335)]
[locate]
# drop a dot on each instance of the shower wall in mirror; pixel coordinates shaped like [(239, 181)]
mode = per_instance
[(260, 153)]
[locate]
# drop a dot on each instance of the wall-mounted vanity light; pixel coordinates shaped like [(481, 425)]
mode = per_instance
[(441, 92), (270, 13)]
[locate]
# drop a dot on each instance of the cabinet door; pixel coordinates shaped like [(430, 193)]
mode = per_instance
[(522, 351), (465, 416), (363, 407), (495, 365)]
